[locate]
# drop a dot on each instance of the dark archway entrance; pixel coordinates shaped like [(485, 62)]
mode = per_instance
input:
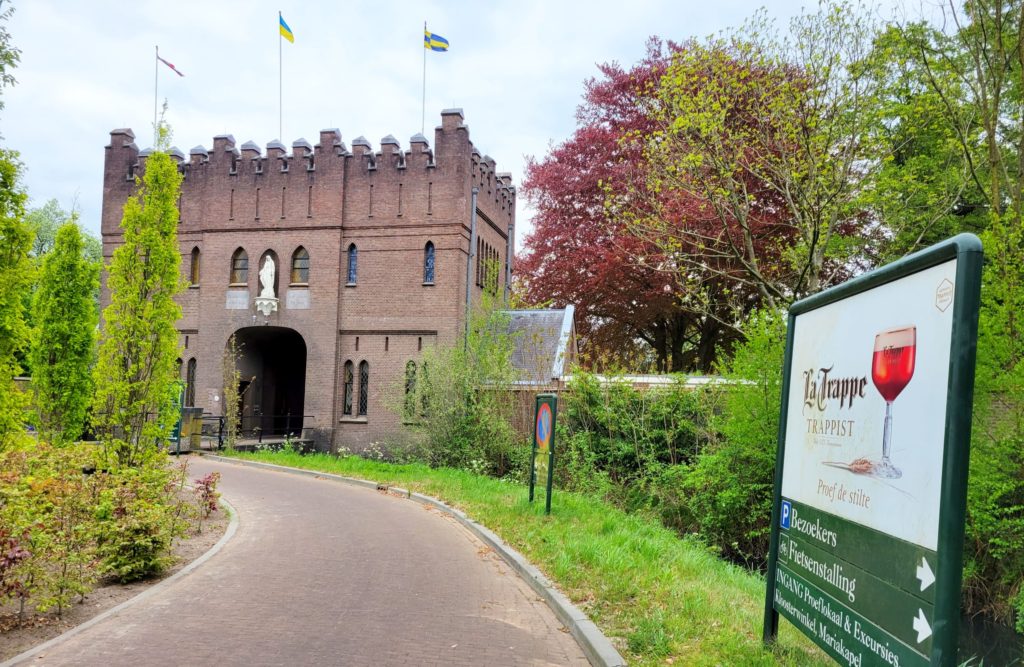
[(272, 387)]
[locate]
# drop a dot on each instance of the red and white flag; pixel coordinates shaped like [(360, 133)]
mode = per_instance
[(171, 65)]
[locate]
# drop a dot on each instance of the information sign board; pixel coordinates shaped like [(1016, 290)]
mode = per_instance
[(870, 489), (543, 460)]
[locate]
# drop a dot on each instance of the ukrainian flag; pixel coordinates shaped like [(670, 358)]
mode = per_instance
[(286, 32), (433, 41)]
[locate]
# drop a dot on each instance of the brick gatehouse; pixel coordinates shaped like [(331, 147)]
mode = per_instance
[(370, 249)]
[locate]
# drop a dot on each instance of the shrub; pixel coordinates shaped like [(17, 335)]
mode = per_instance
[(46, 503), (465, 400), (994, 532), (728, 489), (137, 523), (614, 430), (12, 554), (207, 497), (703, 460)]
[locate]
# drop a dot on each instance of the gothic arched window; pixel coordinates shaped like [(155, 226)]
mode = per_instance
[(364, 387), (347, 389), (239, 268), (428, 263), (353, 256), (193, 276), (300, 266)]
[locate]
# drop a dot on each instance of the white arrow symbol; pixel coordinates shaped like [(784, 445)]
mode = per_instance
[(921, 627), (925, 574)]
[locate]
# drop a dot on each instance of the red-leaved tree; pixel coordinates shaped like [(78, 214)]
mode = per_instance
[(634, 304)]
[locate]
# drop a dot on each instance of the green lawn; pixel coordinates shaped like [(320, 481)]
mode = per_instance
[(661, 599)]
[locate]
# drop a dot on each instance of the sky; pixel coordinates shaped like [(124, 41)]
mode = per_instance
[(517, 69)]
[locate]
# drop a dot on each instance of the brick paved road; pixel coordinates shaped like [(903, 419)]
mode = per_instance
[(322, 573)]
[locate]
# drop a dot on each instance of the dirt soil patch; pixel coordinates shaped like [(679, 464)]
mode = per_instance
[(42, 627)]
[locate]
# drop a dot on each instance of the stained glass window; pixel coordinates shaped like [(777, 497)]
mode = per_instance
[(353, 256), (364, 386), (428, 263), (300, 266), (239, 268)]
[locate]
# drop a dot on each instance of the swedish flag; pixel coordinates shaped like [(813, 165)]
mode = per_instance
[(433, 41)]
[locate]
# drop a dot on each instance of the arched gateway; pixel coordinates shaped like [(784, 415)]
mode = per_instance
[(272, 385)]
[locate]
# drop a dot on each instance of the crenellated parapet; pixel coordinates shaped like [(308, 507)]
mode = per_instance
[(236, 186)]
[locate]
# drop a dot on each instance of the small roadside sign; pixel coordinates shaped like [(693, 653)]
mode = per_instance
[(542, 461)]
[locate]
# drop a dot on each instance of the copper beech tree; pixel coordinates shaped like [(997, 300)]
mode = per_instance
[(772, 134), (637, 293), (631, 303)]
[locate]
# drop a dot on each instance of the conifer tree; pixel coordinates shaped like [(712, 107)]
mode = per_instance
[(63, 347), (136, 372)]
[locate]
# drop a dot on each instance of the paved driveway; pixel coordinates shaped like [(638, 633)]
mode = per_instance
[(322, 573)]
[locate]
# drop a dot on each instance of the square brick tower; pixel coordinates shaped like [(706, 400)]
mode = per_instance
[(369, 253)]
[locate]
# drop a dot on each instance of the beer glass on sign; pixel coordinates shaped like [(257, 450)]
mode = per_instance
[(892, 366)]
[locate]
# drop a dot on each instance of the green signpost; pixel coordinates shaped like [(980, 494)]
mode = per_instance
[(542, 463), (176, 432), (871, 474)]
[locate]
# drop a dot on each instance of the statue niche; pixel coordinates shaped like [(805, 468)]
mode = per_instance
[(266, 302)]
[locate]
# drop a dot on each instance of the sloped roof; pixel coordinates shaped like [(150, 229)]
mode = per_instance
[(541, 339)]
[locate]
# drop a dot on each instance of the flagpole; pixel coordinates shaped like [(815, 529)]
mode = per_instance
[(423, 118), (156, 79), (280, 80)]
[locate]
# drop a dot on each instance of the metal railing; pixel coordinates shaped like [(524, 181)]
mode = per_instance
[(260, 425)]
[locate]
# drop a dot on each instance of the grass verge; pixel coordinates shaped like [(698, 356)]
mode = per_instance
[(661, 599)]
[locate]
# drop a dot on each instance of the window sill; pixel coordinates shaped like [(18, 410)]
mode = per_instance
[(350, 284), (306, 285), (430, 284), (238, 285), (353, 420), (193, 286)]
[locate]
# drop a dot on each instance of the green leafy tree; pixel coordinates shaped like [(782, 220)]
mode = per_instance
[(15, 268), (136, 375), (45, 220), (231, 378), (769, 131), (15, 278), (923, 191), (64, 344)]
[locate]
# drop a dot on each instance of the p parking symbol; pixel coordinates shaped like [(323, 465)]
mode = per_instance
[(786, 514)]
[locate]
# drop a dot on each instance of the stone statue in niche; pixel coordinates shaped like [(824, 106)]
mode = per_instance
[(267, 278), (266, 302)]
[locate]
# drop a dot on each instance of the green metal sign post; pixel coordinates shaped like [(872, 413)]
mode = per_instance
[(542, 462), (176, 432), (871, 473)]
